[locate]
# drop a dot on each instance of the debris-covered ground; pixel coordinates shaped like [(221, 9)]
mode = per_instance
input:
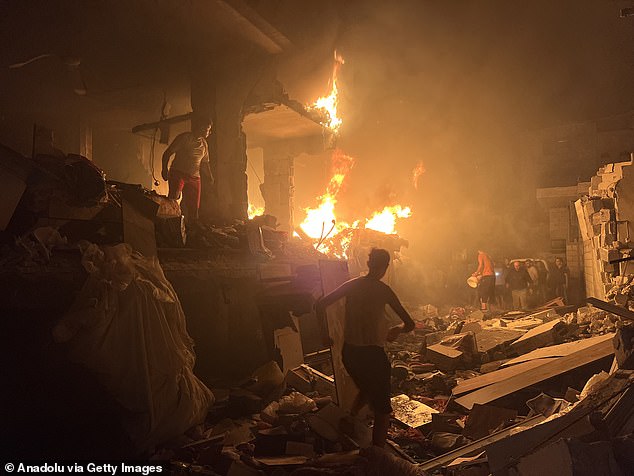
[(550, 392), (540, 392)]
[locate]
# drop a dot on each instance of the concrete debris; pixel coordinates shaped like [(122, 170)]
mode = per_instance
[(473, 392), (549, 333)]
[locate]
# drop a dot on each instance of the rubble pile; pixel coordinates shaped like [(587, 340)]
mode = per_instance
[(604, 216), (460, 379), (262, 426), (471, 395), (622, 291), (73, 196)]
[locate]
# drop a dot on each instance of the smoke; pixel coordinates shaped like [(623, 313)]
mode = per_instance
[(458, 86)]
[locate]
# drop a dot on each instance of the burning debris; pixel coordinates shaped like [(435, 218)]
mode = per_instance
[(328, 104)]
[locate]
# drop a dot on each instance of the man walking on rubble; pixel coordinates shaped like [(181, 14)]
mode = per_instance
[(191, 159), (366, 331)]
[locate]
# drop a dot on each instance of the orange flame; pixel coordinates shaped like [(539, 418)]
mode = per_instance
[(385, 220), (328, 104), (417, 172), (333, 236), (254, 211), (319, 220)]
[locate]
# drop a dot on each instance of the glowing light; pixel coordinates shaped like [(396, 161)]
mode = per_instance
[(320, 220), (333, 236), (254, 211), (330, 234), (329, 104), (385, 220), (417, 172)]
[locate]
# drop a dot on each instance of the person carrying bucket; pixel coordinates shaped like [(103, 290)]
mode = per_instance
[(485, 275)]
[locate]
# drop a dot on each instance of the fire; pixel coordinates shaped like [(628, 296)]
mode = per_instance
[(328, 104), (385, 220), (332, 235), (417, 172), (329, 233), (254, 211), (319, 221)]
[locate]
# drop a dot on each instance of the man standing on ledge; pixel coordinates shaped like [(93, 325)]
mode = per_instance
[(366, 331), (192, 158)]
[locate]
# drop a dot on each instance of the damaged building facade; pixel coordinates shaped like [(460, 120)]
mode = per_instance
[(135, 334)]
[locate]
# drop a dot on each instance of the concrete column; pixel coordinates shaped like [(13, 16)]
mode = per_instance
[(278, 188), (221, 94)]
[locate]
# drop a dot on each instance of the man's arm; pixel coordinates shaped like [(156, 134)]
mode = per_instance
[(205, 167), (408, 324), (480, 269), (171, 150)]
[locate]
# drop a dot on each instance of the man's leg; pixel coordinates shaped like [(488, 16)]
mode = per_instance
[(523, 298), (191, 198), (176, 183), (379, 430), (358, 403), (516, 300)]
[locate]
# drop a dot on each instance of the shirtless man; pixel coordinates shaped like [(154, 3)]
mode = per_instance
[(366, 330), (486, 280), (191, 158)]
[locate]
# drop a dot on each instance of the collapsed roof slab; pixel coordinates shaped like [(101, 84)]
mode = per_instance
[(282, 123)]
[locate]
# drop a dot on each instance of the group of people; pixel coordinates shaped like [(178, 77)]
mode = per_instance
[(366, 329), (525, 282)]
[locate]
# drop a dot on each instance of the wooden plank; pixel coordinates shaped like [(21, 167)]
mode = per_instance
[(479, 445), (606, 306), (506, 452), (149, 126), (538, 374), (547, 334), (333, 274), (490, 378), (559, 350)]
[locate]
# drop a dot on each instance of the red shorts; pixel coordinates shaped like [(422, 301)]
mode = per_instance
[(189, 186)]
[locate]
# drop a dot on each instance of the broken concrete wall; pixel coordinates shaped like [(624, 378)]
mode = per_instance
[(604, 219)]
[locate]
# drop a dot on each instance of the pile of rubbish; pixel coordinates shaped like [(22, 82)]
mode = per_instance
[(466, 385), (263, 426), (524, 393), (73, 196)]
